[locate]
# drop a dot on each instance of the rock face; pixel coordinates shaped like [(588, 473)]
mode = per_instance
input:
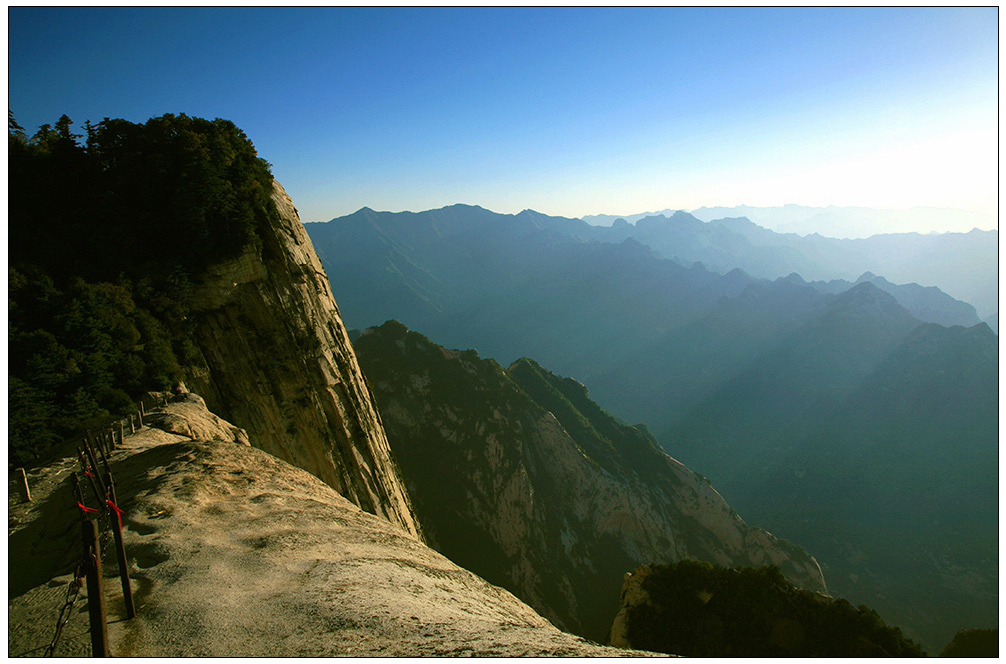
[(235, 553), (280, 364), (518, 476)]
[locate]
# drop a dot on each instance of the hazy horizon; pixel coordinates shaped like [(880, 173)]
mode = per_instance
[(839, 221), (568, 111)]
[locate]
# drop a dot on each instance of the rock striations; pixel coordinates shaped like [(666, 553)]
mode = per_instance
[(280, 364), (517, 475)]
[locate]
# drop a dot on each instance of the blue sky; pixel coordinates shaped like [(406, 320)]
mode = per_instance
[(568, 111)]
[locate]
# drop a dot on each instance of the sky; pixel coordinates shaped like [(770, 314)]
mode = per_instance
[(568, 111)]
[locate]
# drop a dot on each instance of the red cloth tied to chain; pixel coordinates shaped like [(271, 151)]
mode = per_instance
[(85, 508)]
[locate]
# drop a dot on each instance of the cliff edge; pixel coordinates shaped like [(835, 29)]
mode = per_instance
[(279, 364)]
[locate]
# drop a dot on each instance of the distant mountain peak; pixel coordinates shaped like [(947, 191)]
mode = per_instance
[(463, 206), (867, 291), (867, 300)]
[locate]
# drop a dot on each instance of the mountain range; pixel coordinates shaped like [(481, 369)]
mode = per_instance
[(725, 367), (832, 221), (964, 265)]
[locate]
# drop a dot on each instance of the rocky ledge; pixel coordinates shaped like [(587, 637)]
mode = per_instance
[(233, 552)]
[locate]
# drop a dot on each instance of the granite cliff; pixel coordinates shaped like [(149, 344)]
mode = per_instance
[(279, 363), (519, 477)]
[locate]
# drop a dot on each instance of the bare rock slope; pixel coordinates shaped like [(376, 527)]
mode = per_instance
[(279, 364), (234, 552)]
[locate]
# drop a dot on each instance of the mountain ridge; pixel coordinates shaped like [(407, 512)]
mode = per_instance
[(739, 242), (517, 475)]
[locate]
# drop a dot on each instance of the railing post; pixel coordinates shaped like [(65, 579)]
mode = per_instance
[(90, 475), (91, 441), (120, 551), (132, 427), (104, 457), (25, 493), (93, 463), (95, 600)]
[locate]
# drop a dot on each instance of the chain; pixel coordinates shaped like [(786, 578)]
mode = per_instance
[(105, 512), (105, 530), (72, 593)]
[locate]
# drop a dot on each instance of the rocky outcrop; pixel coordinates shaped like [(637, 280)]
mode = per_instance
[(189, 417), (519, 477), (633, 595), (278, 362)]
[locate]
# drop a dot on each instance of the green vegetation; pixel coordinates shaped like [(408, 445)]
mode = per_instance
[(703, 610), (973, 643), (106, 238)]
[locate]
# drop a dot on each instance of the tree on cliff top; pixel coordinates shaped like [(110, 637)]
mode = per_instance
[(134, 198), (106, 238)]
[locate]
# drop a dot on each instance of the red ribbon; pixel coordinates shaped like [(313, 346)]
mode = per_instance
[(85, 508), (118, 512)]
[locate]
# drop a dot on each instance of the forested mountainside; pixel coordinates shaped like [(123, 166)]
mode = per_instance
[(106, 238), (696, 609), (518, 476), (164, 251), (689, 351)]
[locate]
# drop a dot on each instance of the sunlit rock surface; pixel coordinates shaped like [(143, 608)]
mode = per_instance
[(279, 364)]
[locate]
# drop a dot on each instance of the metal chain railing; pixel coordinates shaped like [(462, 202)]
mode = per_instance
[(106, 527), (102, 525), (72, 593)]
